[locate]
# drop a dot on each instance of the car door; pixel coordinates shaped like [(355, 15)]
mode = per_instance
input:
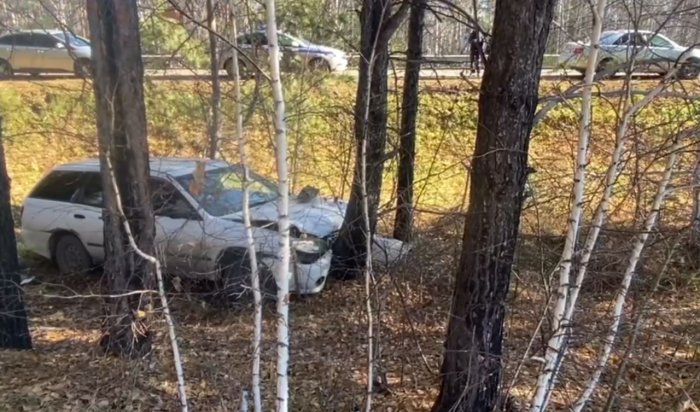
[(51, 54), (49, 209), (86, 215), (19, 50), (663, 54), (180, 234)]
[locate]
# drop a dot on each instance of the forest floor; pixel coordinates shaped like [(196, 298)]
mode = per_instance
[(66, 370), (51, 122)]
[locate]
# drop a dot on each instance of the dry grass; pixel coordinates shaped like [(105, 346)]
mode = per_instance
[(66, 372)]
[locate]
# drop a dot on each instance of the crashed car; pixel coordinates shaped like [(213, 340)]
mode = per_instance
[(198, 206)]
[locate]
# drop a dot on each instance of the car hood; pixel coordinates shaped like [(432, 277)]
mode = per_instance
[(321, 217), (317, 48), (318, 217)]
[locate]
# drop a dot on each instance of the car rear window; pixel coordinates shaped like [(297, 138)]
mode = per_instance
[(59, 185)]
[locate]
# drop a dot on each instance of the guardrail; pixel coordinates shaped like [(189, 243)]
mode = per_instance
[(167, 61), (162, 61), (450, 60)]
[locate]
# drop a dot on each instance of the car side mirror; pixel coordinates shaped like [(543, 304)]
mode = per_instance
[(60, 45)]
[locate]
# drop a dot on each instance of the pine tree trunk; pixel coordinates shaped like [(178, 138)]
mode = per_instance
[(123, 145), (370, 123), (471, 368), (403, 225), (14, 332)]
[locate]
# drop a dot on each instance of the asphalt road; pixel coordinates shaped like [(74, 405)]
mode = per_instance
[(186, 74)]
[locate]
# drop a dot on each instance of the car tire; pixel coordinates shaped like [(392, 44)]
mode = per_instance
[(234, 285), (5, 69), (242, 69), (605, 69), (690, 70), (70, 255), (83, 68), (319, 65)]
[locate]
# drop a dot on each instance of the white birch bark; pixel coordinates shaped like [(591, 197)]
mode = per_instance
[(215, 100), (557, 346), (601, 213), (546, 378), (250, 242), (283, 258), (627, 279), (177, 359), (368, 278)]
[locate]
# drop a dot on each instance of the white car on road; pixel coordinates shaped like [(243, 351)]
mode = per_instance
[(648, 51), (44, 51), (199, 223)]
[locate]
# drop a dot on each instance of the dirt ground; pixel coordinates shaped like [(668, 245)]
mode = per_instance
[(66, 371)]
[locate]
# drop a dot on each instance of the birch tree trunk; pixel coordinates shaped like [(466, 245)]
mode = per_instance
[(547, 376), (695, 220), (619, 304), (471, 366), (252, 253), (14, 331), (177, 359), (557, 344), (121, 126), (283, 259), (215, 101)]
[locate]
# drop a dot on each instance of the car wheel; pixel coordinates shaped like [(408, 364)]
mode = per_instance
[(242, 69), (234, 284), (71, 256), (689, 70), (319, 65), (83, 68), (5, 69), (605, 69)]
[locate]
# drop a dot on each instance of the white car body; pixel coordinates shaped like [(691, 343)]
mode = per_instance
[(311, 56), (42, 51), (650, 52), (193, 244)]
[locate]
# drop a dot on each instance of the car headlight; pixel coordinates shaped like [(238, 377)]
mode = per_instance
[(308, 251)]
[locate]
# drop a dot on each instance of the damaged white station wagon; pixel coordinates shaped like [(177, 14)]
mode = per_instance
[(199, 223)]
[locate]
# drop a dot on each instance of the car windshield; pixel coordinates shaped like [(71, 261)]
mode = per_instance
[(609, 37), (74, 41), (287, 40), (220, 191)]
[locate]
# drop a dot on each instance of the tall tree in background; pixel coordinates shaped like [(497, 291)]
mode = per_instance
[(123, 148), (14, 332), (403, 225), (215, 104), (378, 26), (471, 366)]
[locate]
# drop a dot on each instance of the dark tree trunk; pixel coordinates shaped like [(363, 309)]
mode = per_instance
[(215, 103), (471, 366), (123, 145), (14, 332), (378, 25), (403, 225)]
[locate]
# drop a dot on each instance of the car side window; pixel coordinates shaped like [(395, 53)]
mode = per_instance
[(658, 41), (43, 40), (91, 193), (169, 202), (8, 40), (623, 40), (59, 186), (21, 40)]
